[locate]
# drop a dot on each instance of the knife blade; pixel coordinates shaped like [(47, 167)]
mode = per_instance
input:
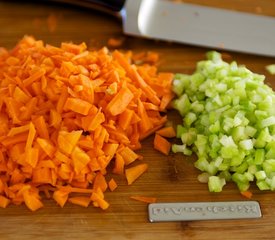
[(192, 24)]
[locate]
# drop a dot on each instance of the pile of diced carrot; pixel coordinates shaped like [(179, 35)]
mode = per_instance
[(67, 115)]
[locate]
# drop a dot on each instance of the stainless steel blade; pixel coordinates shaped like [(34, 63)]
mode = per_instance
[(199, 25), (190, 211)]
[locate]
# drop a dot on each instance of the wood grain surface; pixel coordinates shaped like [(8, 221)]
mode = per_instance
[(170, 179)]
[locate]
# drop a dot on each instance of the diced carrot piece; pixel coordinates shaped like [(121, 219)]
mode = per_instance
[(247, 194), (81, 201), (128, 155), (4, 202), (120, 102), (41, 127), (125, 119), (32, 156), (31, 201), (112, 184), (60, 197), (119, 164), (168, 132), (144, 199), (68, 140), (17, 130), (135, 172), (115, 42), (34, 77), (31, 136), (77, 105), (20, 96), (161, 144), (100, 182), (46, 146), (110, 149), (165, 101), (99, 201), (80, 159)]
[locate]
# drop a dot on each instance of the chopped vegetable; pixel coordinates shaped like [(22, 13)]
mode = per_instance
[(229, 122), (247, 194), (271, 68), (81, 201), (168, 132), (144, 199), (135, 172), (112, 184), (161, 144), (66, 113), (115, 42)]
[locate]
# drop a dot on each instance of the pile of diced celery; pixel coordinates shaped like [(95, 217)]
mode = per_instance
[(229, 122)]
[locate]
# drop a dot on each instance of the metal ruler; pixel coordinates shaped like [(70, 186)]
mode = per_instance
[(190, 211)]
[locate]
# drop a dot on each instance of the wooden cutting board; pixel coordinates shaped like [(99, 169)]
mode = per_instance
[(170, 179)]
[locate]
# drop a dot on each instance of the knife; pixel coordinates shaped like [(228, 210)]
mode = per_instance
[(191, 24)]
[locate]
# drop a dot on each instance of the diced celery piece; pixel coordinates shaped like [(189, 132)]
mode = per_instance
[(272, 183), (260, 115), (270, 145), (241, 168), (180, 83), (237, 157), (238, 133), (218, 161), (189, 137), (221, 87), (269, 166), (260, 175), (202, 164), (195, 81), (228, 124), (215, 127), (249, 159), (178, 148), (259, 156), (246, 144), (243, 186), (182, 104), (252, 169), (225, 175), (203, 177), (249, 176), (268, 122), (271, 68), (181, 148), (241, 180), (266, 104), (197, 107), (227, 141), (187, 152), (229, 152), (215, 183), (189, 118), (237, 177), (270, 154), (214, 56), (201, 144), (262, 185), (250, 131), (263, 138), (180, 130), (212, 169)]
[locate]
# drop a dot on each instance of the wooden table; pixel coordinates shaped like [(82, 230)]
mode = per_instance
[(170, 179)]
